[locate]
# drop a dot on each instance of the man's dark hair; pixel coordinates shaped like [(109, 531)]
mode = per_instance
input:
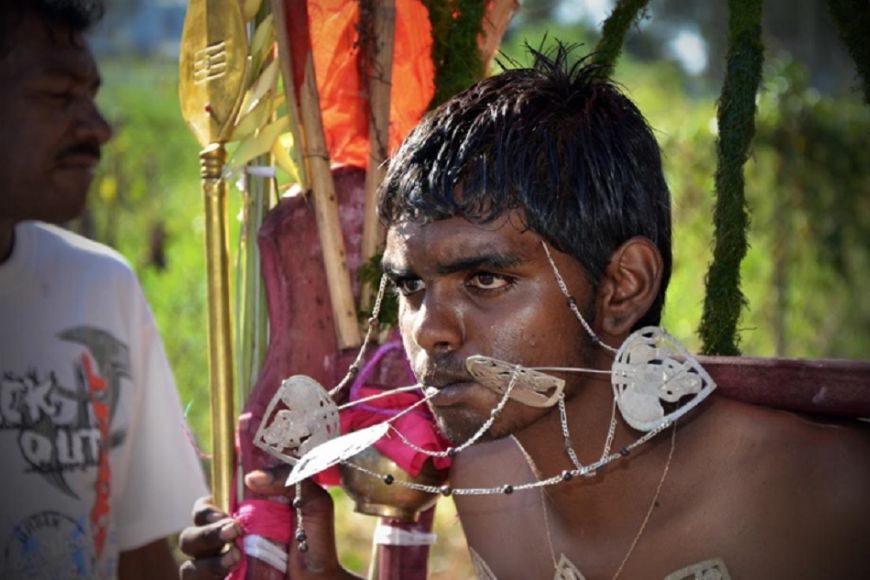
[(72, 15), (558, 141)]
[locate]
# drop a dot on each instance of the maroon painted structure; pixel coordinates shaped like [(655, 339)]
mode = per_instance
[(818, 386), (302, 339)]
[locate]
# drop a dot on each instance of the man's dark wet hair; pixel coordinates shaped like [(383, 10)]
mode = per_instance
[(70, 15), (558, 141)]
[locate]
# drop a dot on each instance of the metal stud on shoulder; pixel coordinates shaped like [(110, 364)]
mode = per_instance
[(651, 369), (299, 417)]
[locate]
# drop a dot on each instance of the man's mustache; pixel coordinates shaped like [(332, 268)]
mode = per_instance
[(84, 148), (444, 371)]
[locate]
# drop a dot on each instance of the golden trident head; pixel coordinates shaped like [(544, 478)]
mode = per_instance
[(212, 68)]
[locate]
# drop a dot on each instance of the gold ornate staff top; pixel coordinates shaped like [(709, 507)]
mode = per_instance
[(212, 71)]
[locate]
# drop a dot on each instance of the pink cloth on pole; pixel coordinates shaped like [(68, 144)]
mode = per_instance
[(271, 519), (418, 426)]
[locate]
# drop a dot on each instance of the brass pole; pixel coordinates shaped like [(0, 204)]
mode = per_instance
[(223, 415), (212, 69)]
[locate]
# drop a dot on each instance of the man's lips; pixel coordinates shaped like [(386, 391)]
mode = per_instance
[(82, 156), (78, 161), (448, 395)]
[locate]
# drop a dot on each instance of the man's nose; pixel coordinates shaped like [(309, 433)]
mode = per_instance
[(438, 325), (92, 125)]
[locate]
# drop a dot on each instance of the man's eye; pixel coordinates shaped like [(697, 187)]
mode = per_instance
[(408, 286), (62, 97), (488, 281)]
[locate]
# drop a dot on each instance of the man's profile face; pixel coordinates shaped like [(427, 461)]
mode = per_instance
[(52, 130), (468, 289)]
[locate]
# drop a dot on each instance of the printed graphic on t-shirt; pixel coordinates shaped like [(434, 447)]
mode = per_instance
[(49, 546), (62, 430)]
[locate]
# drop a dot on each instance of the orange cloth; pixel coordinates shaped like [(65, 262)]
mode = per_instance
[(343, 102)]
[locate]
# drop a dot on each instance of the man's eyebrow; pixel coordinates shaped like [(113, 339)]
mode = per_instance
[(494, 260), (92, 79)]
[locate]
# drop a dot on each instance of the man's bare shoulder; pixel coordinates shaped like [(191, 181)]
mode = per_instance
[(781, 441), (796, 484)]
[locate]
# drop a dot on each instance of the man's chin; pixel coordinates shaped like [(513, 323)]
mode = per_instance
[(64, 204), (459, 426)]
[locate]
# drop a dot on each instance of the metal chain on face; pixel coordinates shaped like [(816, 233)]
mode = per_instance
[(493, 415), (579, 470), (572, 304), (372, 323), (566, 475)]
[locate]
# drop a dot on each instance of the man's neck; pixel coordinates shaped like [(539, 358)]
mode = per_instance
[(588, 414), (589, 403), (7, 239)]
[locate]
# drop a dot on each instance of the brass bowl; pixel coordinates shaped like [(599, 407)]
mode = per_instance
[(373, 496)]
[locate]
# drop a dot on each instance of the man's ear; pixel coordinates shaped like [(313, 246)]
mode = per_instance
[(628, 287)]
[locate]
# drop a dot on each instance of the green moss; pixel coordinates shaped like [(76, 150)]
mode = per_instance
[(614, 30), (853, 22), (736, 117), (456, 25)]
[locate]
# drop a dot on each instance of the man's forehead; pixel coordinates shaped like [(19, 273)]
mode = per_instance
[(40, 49), (452, 239)]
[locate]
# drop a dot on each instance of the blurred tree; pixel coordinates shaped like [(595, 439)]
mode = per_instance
[(535, 11), (803, 28), (813, 213)]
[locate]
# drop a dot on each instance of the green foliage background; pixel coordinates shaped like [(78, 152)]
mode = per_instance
[(807, 185)]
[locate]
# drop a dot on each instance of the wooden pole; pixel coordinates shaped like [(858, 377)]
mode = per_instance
[(297, 59), (380, 73), (817, 386), (495, 21)]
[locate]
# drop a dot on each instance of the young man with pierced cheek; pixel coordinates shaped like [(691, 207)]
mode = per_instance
[(528, 220), (468, 289), (98, 467)]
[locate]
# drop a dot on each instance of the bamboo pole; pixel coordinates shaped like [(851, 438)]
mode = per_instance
[(211, 74), (380, 73), (317, 169), (495, 21)]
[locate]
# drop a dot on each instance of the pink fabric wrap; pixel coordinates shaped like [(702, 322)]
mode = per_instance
[(267, 518), (418, 426)]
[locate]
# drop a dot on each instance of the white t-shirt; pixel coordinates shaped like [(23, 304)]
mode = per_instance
[(82, 364)]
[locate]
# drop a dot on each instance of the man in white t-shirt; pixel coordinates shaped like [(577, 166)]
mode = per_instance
[(97, 467)]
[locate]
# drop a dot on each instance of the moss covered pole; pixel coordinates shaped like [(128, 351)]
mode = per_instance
[(853, 22), (614, 30), (736, 116)]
